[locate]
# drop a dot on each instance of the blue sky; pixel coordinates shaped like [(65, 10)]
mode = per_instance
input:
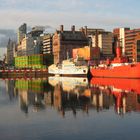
[(106, 14)]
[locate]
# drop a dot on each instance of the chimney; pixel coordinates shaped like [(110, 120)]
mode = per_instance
[(96, 38), (86, 30), (73, 28), (82, 29), (61, 28)]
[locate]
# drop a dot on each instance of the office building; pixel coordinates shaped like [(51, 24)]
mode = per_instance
[(105, 41), (47, 44), (22, 31)]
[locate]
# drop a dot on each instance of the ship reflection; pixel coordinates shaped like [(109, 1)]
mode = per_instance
[(126, 92), (71, 95)]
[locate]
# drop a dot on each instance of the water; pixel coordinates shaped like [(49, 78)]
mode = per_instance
[(69, 108)]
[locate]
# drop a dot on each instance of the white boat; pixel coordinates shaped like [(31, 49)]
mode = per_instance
[(68, 67)]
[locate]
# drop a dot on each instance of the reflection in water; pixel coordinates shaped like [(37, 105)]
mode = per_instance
[(126, 92), (31, 93), (70, 94), (11, 90)]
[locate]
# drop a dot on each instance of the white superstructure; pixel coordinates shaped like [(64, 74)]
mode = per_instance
[(68, 67)]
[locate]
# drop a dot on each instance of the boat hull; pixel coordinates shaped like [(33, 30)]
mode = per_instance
[(128, 71), (83, 71)]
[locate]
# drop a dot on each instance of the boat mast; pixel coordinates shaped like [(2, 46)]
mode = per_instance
[(67, 55)]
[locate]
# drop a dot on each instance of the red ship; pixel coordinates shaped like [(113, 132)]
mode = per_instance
[(118, 68)]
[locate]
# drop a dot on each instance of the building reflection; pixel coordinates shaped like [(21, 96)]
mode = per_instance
[(69, 94), (31, 93), (10, 88)]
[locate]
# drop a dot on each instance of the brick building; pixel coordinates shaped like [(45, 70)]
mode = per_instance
[(137, 48), (65, 41), (129, 41), (132, 45)]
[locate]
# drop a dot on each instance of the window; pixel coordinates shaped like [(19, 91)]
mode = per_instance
[(138, 49)]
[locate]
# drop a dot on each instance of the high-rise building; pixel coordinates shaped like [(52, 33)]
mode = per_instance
[(30, 43), (105, 41), (47, 44), (36, 31), (22, 30)]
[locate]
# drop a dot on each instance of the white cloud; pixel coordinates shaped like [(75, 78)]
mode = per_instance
[(14, 18), (55, 12)]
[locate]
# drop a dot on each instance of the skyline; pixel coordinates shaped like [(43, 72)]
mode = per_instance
[(106, 14)]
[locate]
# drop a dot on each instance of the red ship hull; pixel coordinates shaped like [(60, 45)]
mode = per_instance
[(128, 71)]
